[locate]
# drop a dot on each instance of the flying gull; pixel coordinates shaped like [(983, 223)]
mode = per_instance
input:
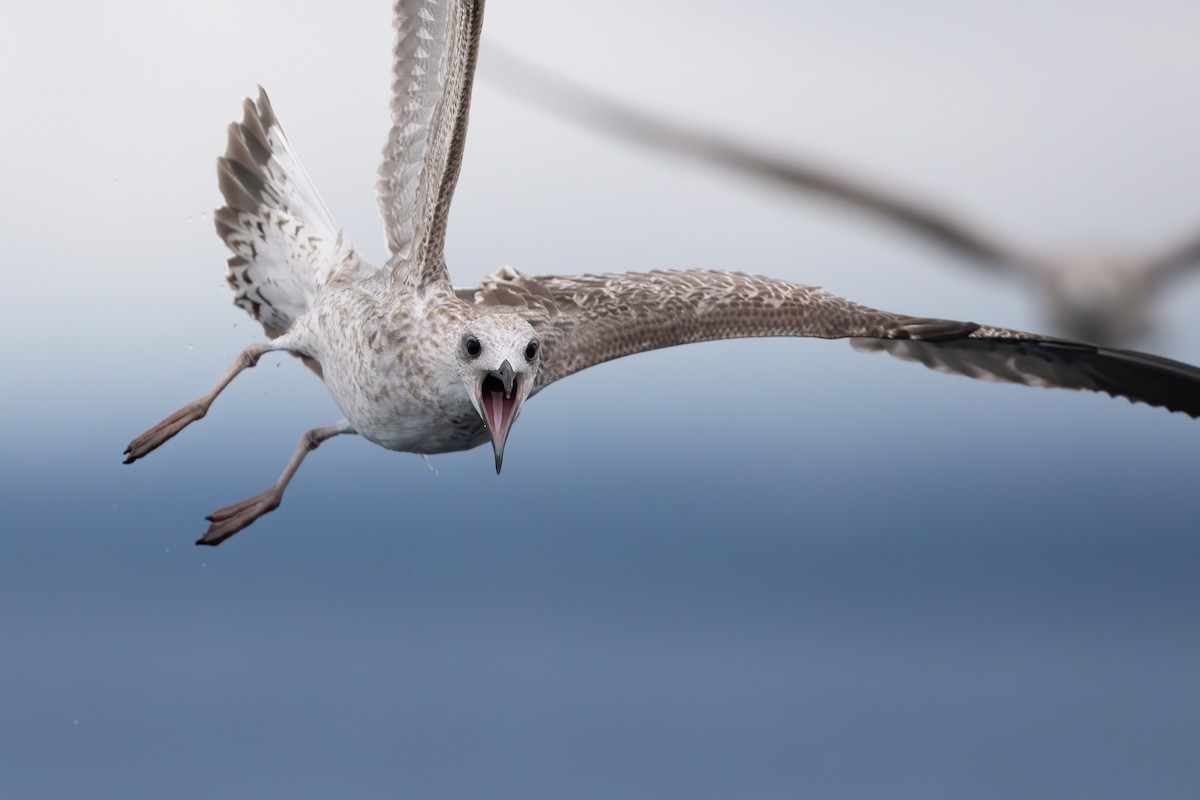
[(1097, 296), (420, 367)]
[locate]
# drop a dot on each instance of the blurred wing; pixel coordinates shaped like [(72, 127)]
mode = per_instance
[(1185, 255), (433, 68), (596, 110), (591, 319), (284, 241)]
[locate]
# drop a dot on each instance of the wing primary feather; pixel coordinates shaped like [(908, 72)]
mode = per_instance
[(284, 241), (589, 319), (434, 61)]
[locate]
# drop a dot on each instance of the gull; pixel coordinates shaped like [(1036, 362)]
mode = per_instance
[(418, 366), (1098, 296)]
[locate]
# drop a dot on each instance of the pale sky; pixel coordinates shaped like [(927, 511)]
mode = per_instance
[(1062, 124)]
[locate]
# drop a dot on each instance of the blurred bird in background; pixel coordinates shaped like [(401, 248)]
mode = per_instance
[(1100, 296)]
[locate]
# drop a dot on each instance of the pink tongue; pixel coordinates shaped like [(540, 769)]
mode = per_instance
[(497, 399)]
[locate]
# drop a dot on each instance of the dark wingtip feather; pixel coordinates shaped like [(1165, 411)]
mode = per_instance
[(1014, 357), (241, 186)]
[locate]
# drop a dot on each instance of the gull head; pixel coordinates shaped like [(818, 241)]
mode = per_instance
[(498, 356)]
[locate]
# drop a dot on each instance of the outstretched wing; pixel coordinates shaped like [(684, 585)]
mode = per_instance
[(565, 98), (284, 241), (590, 319), (433, 68)]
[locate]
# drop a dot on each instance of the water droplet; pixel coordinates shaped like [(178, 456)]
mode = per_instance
[(166, 549), (235, 326), (190, 347), (190, 219), (74, 722)]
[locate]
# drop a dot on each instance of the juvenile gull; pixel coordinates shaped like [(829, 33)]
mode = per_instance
[(419, 367), (1098, 295)]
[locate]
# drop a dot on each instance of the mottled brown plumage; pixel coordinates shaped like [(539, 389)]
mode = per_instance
[(437, 44), (591, 319), (419, 367)]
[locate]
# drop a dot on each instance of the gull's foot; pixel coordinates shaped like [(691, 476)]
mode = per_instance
[(231, 519), (163, 431)]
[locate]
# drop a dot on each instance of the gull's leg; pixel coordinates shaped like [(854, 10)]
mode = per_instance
[(231, 519), (193, 411)]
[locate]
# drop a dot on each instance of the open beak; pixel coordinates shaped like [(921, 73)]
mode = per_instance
[(498, 403)]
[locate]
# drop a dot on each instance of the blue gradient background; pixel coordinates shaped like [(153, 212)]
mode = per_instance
[(746, 569)]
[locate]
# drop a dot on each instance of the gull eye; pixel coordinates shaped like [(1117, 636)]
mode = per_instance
[(472, 346), (531, 351)]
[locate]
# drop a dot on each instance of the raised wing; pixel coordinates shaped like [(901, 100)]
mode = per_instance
[(433, 68), (593, 109), (591, 319), (284, 241)]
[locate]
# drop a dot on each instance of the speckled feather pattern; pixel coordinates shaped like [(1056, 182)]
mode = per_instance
[(284, 241), (388, 358), (591, 319), (433, 70)]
